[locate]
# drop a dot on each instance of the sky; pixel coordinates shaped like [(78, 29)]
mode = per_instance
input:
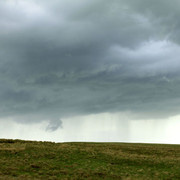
[(90, 70)]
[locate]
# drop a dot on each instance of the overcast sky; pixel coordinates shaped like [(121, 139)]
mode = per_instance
[(76, 66)]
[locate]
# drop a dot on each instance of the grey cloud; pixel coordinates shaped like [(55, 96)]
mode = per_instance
[(54, 125), (163, 15), (60, 59)]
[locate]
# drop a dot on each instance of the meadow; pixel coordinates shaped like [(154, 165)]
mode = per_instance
[(79, 160)]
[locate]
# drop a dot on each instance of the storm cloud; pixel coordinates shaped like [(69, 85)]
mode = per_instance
[(65, 58)]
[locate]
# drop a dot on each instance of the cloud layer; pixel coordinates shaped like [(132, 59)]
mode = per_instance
[(65, 58)]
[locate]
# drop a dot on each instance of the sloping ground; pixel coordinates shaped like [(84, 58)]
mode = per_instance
[(47, 160)]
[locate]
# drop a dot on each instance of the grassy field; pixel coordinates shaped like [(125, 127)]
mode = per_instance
[(47, 160)]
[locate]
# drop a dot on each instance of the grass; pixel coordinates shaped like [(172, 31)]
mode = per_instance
[(47, 160)]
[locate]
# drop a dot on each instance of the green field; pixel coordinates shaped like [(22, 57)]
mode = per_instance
[(47, 160)]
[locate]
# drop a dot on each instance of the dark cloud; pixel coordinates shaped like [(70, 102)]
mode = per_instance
[(60, 59), (54, 125)]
